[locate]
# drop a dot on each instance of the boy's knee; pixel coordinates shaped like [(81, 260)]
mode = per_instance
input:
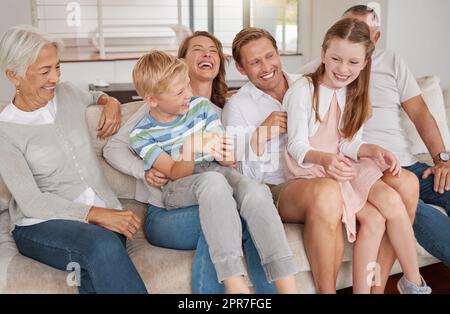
[(213, 180)]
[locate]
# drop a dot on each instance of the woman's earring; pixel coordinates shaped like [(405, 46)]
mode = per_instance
[(17, 91)]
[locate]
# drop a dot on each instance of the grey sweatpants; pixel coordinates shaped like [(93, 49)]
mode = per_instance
[(222, 194)]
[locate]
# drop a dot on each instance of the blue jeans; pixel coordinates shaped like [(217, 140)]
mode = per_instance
[(180, 229), (431, 227), (105, 266)]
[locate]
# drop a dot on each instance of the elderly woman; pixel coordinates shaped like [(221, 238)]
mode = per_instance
[(180, 229), (62, 210)]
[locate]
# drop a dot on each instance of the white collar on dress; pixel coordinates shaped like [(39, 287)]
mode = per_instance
[(326, 96)]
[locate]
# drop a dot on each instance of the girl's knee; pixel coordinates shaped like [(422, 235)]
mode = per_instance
[(389, 199), (407, 185), (410, 186), (373, 222)]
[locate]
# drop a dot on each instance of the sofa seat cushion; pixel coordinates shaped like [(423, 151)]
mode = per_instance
[(163, 270), (5, 195)]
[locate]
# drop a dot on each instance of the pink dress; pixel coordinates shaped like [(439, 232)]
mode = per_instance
[(354, 192)]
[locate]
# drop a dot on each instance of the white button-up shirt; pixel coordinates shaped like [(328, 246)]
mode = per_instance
[(245, 112)]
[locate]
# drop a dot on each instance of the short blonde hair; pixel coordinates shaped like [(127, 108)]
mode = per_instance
[(155, 71)]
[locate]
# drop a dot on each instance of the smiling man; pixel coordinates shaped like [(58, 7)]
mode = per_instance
[(256, 115)]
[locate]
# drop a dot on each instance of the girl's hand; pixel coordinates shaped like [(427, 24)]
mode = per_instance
[(109, 122), (121, 221), (338, 167), (383, 156)]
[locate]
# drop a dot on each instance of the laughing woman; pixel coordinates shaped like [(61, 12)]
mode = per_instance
[(180, 229), (62, 210)]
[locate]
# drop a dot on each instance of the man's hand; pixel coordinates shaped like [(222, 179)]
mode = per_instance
[(441, 172), (274, 125), (155, 178)]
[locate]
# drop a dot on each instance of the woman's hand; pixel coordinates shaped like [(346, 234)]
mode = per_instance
[(382, 155), (338, 167), (121, 221), (109, 122), (155, 178)]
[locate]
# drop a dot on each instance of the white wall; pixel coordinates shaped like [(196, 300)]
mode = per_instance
[(12, 12), (325, 13), (419, 30)]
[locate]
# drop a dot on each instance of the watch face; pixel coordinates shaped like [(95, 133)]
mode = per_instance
[(444, 156)]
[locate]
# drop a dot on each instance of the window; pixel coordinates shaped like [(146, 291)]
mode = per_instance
[(127, 26)]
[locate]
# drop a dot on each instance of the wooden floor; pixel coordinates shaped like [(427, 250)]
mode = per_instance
[(437, 277)]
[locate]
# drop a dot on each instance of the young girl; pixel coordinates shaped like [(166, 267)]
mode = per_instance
[(326, 112)]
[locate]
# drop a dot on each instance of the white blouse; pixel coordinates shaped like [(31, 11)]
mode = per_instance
[(302, 122)]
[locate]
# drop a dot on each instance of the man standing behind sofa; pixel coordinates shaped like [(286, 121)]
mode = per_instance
[(393, 88), (256, 115)]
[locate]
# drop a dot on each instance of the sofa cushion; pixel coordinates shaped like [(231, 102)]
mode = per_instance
[(123, 185), (5, 196), (433, 96), (8, 249)]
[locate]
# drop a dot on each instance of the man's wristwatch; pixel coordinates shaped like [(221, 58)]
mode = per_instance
[(443, 157)]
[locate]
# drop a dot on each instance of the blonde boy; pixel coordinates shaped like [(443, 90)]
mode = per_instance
[(183, 138)]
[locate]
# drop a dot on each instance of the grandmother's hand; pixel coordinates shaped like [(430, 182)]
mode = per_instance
[(121, 221), (109, 122)]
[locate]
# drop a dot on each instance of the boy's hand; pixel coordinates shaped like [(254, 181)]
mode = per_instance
[(202, 142), (155, 178)]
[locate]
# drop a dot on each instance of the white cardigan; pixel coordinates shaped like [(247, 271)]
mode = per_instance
[(302, 121)]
